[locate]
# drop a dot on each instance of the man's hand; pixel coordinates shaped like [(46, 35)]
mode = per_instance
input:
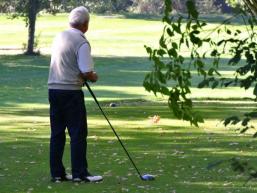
[(89, 76), (94, 77)]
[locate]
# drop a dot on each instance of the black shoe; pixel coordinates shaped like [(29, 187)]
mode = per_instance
[(67, 177)]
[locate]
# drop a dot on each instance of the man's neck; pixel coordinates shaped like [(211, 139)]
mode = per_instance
[(76, 29)]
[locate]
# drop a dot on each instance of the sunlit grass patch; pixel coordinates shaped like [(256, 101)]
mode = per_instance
[(173, 150), (170, 149)]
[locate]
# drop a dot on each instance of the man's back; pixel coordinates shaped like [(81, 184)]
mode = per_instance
[(64, 69)]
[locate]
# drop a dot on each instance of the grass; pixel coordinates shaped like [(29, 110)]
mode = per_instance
[(177, 153), (117, 35), (171, 149), (107, 35)]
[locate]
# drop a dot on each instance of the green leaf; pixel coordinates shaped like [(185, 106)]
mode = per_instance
[(251, 23), (217, 72), (161, 52), (231, 120), (191, 8), (161, 77), (174, 45), (255, 135), (249, 58), (211, 71), (235, 59), (203, 24), (202, 71), (148, 49), (214, 53), (238, 31), (173, 52), (188, 24), (221, 42), (176, 28), (203, 84), (170, 33), (195, 40), (215, 84), (245, 121), (251, 114), (228, 32), (162, 42), (194, 27), (246, 83), (255, 90), (168, 7), (244, 130), (165, 91), (196, 32), (226, 84), (187, 43)]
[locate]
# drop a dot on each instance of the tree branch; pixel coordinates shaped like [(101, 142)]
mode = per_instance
[(252, 6)]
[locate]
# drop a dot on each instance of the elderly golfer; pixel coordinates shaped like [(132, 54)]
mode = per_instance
[(71, 64)]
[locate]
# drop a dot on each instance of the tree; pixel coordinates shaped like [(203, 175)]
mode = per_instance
[(173, 77), (148, 6), (33, 8), (225, 6), (203, 6), (171, 73), (29, 9)]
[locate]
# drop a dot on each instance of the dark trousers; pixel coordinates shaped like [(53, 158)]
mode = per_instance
[(67, 110)]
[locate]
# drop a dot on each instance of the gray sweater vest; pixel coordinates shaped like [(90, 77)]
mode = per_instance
[(64, 69)]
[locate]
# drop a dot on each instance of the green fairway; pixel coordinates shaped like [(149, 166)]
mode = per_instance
[(177, 153), (113, 36)]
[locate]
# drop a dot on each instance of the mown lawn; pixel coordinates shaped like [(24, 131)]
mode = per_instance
[(177, 153)]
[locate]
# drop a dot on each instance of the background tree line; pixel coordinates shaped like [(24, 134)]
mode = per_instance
[(29, 9), (115, 6)]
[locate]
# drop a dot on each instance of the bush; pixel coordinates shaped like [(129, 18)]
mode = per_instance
[(148, 6), (107, 6)]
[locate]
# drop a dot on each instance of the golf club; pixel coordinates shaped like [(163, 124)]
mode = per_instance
[(145, 177)]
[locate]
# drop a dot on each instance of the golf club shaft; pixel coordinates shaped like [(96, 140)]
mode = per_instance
[(93, 95)]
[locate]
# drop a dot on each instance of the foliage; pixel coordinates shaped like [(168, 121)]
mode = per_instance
[(172, 76), (171, 73), (207, 6), (237, 165), (203, 6), (234, 3), (98, 6), (28, 9), (21, 7), (148, 6)]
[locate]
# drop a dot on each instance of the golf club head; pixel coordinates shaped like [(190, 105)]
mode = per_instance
[(147, 177)]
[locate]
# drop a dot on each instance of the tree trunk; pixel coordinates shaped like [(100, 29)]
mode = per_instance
[(252, 6), (64, 3), (32, 16)]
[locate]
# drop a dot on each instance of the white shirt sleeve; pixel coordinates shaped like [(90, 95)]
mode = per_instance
[(84, 59)]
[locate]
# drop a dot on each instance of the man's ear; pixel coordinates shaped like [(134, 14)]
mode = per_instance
[(85, 26)]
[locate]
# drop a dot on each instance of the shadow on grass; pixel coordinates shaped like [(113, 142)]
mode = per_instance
[(24, 79), (210, 18), (178, 153)]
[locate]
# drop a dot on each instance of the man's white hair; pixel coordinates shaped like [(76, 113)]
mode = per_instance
[(79, 16)]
